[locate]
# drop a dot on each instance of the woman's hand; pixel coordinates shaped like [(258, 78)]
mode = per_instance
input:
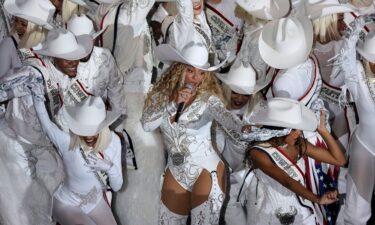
[(246, 128), (185, 95), (97, 164), (328, 198)]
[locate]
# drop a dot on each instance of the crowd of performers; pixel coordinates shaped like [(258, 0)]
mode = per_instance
[(174, 112)]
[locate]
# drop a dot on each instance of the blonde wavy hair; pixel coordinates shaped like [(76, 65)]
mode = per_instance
[(326, 29), (34, 35), (173, 79), (69, 8)]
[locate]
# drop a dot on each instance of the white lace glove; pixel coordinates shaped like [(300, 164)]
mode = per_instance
[(346, 60), (97, 164)]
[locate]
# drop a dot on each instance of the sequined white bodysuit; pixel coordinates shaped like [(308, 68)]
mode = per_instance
[(191, 137)]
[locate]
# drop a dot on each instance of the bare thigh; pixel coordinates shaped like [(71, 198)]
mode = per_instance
[(174, 196), (203, 185)]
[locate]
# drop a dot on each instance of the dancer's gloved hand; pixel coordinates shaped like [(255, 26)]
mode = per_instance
[(97, 164)]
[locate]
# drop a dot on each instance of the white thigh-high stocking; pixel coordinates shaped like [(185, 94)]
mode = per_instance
[(208, 212), (68, 215), (167, 217), (102, 214)]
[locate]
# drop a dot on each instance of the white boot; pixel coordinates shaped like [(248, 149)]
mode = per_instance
[(166, 217)]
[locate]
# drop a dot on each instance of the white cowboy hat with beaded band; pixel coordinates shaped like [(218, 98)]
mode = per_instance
[(61, 43), (243, 80), (285, 113), (194, 54), (266, 9), (81, 24), (89, 117), (319, 8), (286, 42), (39, 12), (366, 48)]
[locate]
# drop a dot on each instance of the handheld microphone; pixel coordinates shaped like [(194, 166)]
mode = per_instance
[(181, 105)]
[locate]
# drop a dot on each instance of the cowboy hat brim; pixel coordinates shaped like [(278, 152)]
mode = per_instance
[(167, 54), (242, 89), (80, 3), (307, 123), (98, 33), (87, 130), (320, 10), (12, 9), (264, 12), (85, 45)]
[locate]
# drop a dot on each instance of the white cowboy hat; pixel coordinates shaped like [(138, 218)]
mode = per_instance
[(366, 48), (39, 12), (319, 8), (80, 3), (194, 54), (286, 113), (63, 44), (81, 24), (286, 42), (266, 9), (243, 80), (107, 1), (89, 117)]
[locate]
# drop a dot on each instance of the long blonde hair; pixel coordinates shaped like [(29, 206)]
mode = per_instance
[(34, 35), (326, 29), (173, 79)]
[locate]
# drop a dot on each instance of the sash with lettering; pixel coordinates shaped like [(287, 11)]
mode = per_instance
[(295, 172), (77, 93), (219, 24), (54, 99), (217, 21)]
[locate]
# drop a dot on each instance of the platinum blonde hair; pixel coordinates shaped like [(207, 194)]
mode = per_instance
[(326, 29), (34, 35), (103, 141)]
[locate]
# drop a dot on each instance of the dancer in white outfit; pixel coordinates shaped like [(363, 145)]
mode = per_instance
[(90, 153), (31, 168), (359, 77), (194, 176), (240, 88), (277, 193)]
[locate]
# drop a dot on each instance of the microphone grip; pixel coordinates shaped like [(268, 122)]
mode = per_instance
[(180, 107)]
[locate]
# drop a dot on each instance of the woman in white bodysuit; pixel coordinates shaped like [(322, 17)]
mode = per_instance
[(183, 104), (91, 154)]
